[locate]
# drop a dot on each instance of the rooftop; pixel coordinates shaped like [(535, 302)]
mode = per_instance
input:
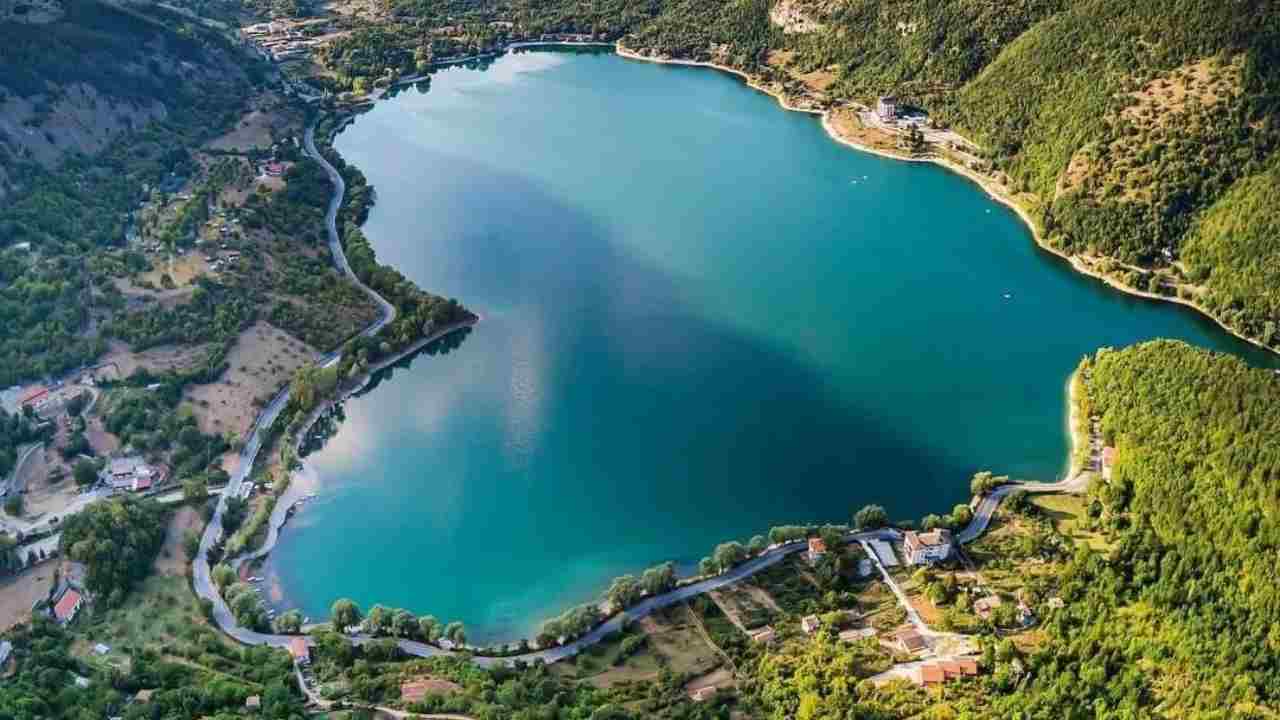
[(66, 606)]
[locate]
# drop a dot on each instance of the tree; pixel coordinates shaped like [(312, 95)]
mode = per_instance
[(191, 544), (222, 576), (931, 521), (961, 515), (870, 518), (343, 614), (289, 623), (624, 592), (404, 624), (456, 633), (757, 544), (984, 482), (234, 513), (76, 404), (729, 554), (84, 472), (429, 628), (659, 579), (707, 566), (378, 621), (13, 505), (195, 490), (832, 537), (117, 540)]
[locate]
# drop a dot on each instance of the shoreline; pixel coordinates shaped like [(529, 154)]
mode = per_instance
[(569, 649), (1075, 261), (290, 495)]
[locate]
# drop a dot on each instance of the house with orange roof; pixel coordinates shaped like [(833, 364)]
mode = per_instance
[(930, 675), (817, 548), (299, 650), (1108, 461)]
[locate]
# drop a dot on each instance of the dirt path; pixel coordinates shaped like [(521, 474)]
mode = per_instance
[(729, 609), (19, 592), (706, 636), (762, 595), (172, 559)]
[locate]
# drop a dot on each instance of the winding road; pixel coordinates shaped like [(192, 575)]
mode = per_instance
[(989, 502), (201, 580)]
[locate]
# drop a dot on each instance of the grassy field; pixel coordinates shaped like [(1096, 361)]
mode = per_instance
[(1068, 514)]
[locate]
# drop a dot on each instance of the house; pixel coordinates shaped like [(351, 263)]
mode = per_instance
[(143, 696), (6, 649), (81, 681), (1025, 616), (931, 674), (763, 634), (928, 547), (817, 548), (983, 606), (142, 480), (299, 650), (1108, 461), (865, 568), (909, 640), (703, 693), (887, 108), (274, 169), (857, 634), (123, 467), (810, 624), (1056, 603), (101, 649), (64, 611), (253, 702)]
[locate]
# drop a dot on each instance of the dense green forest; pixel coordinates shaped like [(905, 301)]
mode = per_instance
[(65, 215), (117, 541), (1181, 619)]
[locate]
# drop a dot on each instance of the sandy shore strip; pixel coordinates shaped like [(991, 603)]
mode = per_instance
[(987, 184)]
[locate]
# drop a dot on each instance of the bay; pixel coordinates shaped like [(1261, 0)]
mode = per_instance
[(701, 317)]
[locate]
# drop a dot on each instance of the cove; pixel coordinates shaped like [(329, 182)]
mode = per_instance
[(701, 317)]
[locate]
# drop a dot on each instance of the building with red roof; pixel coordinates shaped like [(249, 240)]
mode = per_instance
[(64, 611), (1108, 460)]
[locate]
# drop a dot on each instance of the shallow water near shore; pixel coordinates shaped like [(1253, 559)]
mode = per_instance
[(702, 317)]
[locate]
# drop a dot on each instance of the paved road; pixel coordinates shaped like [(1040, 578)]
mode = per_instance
[(10, 483), (236, 487), (335, 243), (912, 615), (987, 506)]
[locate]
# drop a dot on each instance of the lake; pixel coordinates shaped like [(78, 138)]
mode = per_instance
[(701, 317)]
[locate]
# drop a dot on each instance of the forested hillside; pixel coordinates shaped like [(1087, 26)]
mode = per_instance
[(96, 108), (1183, 619)]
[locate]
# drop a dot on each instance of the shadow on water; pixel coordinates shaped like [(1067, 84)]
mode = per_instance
[(654, 413), (327, 425)]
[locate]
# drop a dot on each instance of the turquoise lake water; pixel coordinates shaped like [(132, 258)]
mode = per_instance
[(702, 317)]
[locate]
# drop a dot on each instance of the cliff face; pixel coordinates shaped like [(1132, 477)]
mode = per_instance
[(75, 74)]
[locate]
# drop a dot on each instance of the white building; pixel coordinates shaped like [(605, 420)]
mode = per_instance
[(926, 548), (887, 108)]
